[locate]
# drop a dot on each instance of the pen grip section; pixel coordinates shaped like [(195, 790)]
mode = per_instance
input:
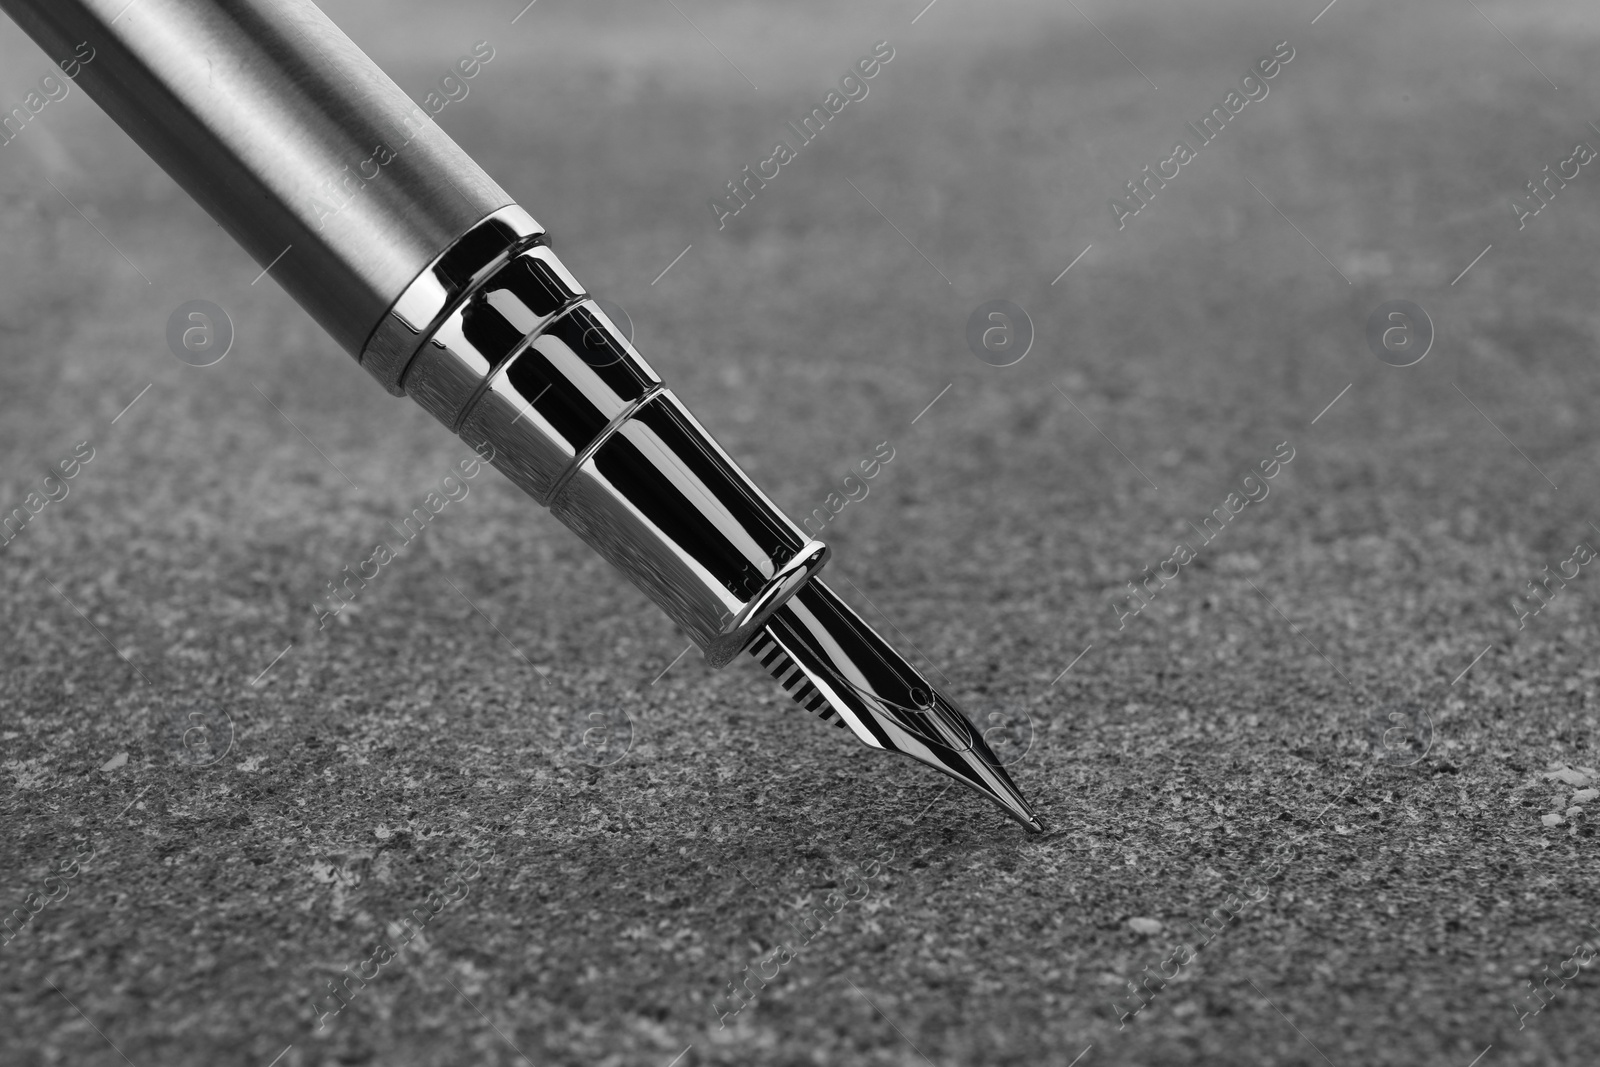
[(668, 507), (529, 370)]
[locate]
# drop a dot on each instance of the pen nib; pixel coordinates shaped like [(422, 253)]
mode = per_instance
[(832, 663)]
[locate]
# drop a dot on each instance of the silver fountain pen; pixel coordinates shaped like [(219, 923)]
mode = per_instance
[(446, 291)]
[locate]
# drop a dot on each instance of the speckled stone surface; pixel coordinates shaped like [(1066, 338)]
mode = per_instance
[(414, 779)]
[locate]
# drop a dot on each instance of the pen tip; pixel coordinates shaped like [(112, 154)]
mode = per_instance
[(833, 664)]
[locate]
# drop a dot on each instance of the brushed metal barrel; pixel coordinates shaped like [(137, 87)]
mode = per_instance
[(290, 136)]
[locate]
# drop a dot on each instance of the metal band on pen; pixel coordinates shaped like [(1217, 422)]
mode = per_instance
[(594, 446), (453, 276)]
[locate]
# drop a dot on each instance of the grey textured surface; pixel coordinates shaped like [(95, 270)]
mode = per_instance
[(1170, 762)]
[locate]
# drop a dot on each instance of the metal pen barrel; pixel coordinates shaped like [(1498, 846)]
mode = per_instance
[(287, 134), (423, 268)]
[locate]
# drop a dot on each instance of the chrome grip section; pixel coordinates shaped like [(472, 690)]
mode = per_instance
[(669, 508), (518, 358), (558, 395)]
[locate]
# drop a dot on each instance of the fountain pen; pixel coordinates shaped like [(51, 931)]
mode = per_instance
[(445, 290)]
